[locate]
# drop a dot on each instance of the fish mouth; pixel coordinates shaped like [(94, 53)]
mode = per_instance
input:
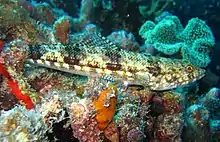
[(200, 77), (201, 73)]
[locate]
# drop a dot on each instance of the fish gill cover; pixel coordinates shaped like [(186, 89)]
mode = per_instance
[(109, 70)]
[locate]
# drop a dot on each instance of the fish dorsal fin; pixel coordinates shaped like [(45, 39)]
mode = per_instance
[(92, 40)]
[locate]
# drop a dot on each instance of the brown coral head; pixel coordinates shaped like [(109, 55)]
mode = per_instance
[(62, 28)]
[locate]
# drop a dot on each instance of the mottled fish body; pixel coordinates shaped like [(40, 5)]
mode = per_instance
[(95, 56)]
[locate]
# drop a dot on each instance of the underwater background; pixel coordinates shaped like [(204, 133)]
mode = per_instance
[(110, 70)]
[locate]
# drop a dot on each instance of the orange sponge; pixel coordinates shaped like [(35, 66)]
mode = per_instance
[(105, 106)]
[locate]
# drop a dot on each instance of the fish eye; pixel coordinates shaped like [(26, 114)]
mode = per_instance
[(189, 68)]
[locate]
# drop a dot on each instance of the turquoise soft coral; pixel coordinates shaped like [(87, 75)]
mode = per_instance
[(164, 35), (169, 37), (197, 29)]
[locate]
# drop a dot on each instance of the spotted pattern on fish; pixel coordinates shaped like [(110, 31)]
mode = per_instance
[(95, 56)]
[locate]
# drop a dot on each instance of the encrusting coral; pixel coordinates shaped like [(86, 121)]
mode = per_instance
[(13, 70), (202, 116), (7, 99), (62, 28), (22, 125), (211, 99)]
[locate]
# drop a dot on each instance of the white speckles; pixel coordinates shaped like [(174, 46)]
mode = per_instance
[(107, 71), (39, 62), (66, 66), (177, 75), (47, 63), (128, 73), (99, 70), (83, 62), (180, 80), (130, 79), (168, 77), (185, 77), (77, 67), (110, 43), (121, 73), (85, 68), (60, 59), (172, 84), (57, 54), (31, 60), (143, 75), (57, 64), (186, 82), (163, 81), (126, 83), (43, 57), (155, 86)]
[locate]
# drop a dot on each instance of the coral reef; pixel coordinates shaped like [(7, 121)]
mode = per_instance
[(85, 127), (215, 129), (207, 10), (199, 37), (118, 15), (43, 102), (155, 7), (7, 100), (111, 132), (197, 117), (194, 42), (19, 124), (169, 127), (39, 11), (211, 100), (202, 119), (62, 28), (14, 57), (130, 118), (17, 23), (169, 124), (124, 40)]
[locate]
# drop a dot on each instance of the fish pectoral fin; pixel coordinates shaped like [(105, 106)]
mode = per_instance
[(133, 86)]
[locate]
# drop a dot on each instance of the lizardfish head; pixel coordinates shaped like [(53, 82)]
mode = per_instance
[(174, 73)]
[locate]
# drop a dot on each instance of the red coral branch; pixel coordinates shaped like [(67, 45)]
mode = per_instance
[(15, 90)]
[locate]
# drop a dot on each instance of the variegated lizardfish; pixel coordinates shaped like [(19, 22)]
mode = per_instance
[(93, 55)]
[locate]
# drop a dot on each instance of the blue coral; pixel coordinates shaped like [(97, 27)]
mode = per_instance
[(203, 116), (163, 35), (197, 29), (198, 53), (215, 129), (212, 99), (197, 117), (169, 37)]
